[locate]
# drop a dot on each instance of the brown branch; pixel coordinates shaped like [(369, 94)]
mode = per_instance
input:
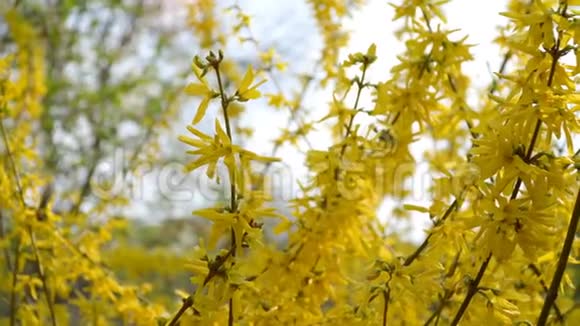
[(224, 104), (468, 122), (471, 291), (215, 62), (561, 266), (5, 249), (13, 294), (215, 270), (41, 273), (187, 303), (423, 246), (360, 84), (555, 53), (437, 313), (231, 312), (538, 273), (10, 156), (495, 84), (42, 276), (86, 187), (386, 297), (448, 293)]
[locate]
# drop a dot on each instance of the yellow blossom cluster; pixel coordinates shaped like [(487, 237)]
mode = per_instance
[(505, 200), (499, 213)]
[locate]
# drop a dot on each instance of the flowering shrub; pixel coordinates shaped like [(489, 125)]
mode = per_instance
[(505, 198)]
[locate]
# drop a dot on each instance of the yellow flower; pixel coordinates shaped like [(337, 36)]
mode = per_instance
[(200, 88), (276, 100), (246, 90), (210, 150)]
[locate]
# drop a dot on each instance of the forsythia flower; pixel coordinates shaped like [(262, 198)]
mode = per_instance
[(200, 89), (502, 191), (247, 91)]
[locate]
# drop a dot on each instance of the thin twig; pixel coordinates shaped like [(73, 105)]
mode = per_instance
[(233, 192), (423, 246), (471, 291), (5, 249), (495, 83), (42, 276), (187, 303), (571, 233), (360, 85), (355, 108), (12, 163), (448, 293), (437, 313), (224, 104), (20, 192), (538, 273), (427, 21), (386, 297), (474, 285), (561, 266), (462, 108), (13, 294)]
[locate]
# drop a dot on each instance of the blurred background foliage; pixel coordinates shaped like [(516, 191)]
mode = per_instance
[(114, 73)]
